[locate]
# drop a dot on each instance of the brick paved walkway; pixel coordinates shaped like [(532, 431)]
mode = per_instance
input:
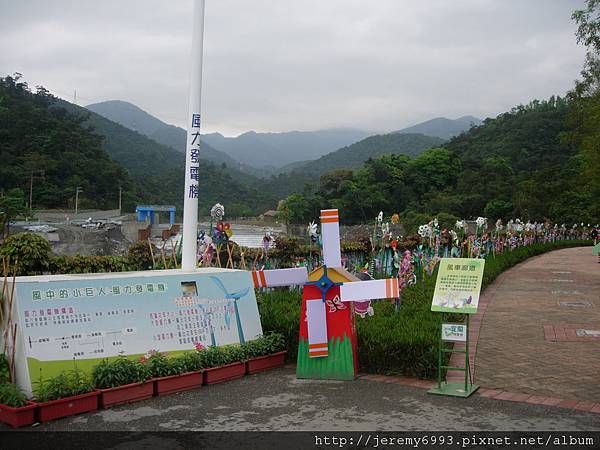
[(538, 331)]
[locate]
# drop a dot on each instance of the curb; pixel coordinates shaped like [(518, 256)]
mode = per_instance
[(495, 394)]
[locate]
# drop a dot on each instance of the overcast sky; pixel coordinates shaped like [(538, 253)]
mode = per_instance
[(280, 65)]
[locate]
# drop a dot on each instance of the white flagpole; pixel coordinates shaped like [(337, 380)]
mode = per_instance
[(192, 150)]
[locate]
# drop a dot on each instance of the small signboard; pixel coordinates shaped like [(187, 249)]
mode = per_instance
[(596, 249), (458, 285), (454, 332)]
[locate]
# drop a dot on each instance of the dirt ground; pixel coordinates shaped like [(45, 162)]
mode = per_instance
[(74, 240)]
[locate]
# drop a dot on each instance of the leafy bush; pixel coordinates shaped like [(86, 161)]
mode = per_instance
[(232, 353), (4, 369), (30, 251), (189, 362), (87, 264), (119, 372), (280, 313), (264, 345), (11, 395), (405, 342), (159, 365), (139, 256), (66, 384)]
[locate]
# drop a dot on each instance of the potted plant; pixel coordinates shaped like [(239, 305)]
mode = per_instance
[(122, 380), (66, 394), (264, 353), (15, 409), (223, 363), (174, 374)]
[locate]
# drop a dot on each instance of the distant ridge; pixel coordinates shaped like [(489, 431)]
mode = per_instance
[(354, 156), (443, 127), (130, 116), (252, 152)]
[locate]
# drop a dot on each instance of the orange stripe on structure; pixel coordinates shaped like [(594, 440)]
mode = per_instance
[(396, 291), (388, 288), (329, 220), (255, 279), (311, 346), (262, 278), (315, 354), (329, 212)]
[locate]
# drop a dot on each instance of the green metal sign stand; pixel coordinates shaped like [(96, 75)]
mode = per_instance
[(465, 389)]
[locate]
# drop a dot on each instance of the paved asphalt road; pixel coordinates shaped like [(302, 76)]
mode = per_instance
[(276, 400)]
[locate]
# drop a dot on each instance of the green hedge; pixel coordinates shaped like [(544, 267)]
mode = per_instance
[(403, 343)]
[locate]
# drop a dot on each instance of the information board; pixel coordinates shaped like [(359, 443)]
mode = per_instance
[(78, 320), (458, 285)]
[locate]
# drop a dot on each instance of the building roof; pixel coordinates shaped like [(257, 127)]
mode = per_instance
[(154, 208)]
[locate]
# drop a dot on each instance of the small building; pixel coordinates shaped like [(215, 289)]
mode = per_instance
[(152, 212), (269, 216)]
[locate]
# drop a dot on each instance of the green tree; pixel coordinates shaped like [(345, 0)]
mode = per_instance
[(11, 206), (298, 208), (30, 253), (584, 116)]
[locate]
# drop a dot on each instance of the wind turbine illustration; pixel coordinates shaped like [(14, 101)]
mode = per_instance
[(234, 296)]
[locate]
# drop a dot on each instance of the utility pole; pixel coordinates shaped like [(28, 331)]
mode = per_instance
[(120, 198), (77, 191), (32, 176)]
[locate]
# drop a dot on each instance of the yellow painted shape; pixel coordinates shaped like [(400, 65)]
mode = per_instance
[(336, 275)]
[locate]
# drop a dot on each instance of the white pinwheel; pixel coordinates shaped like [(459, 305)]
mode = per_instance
[(385, 228), (217, 212), (311, 230), (424, 231)]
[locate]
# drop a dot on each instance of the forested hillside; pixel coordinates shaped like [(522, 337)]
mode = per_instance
[(516, 165), (76, 148), (354, 156), (303, 177), (54, 147)]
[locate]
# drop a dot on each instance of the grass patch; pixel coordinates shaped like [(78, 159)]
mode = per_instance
[(403, 343)]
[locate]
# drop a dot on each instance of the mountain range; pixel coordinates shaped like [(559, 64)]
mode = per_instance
[(257, 153), (265, 154)]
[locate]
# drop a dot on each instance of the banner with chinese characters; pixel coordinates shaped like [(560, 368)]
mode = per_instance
[(78, 320), (458, 285)]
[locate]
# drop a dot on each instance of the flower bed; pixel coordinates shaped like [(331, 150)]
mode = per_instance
[(18, 417), (224, 373), (262, 363), (177, 383), (128, 393), (15, 409), (69, 393), (68, 406), (121, 379)]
